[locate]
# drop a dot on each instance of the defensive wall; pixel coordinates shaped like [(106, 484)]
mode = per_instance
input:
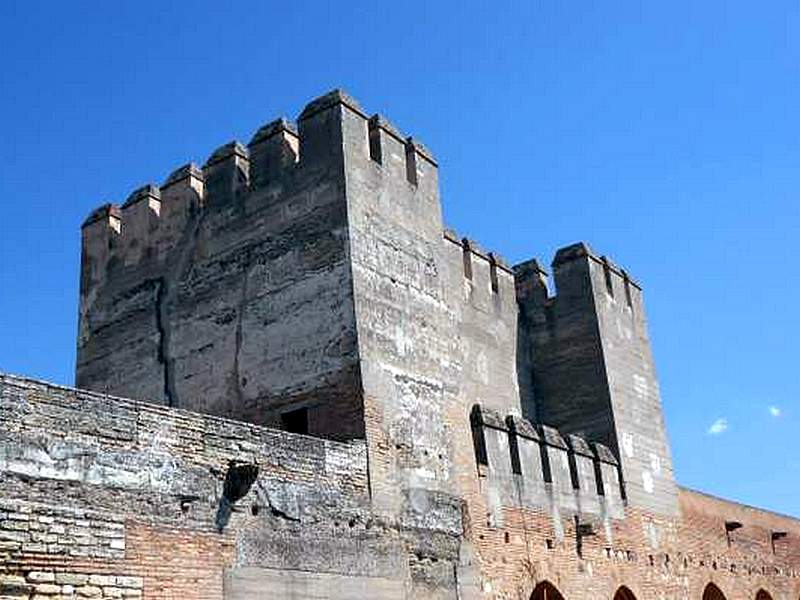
[(297, 301), (107, 497)]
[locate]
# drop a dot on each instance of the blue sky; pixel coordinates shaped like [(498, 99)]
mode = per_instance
[(665, 134)]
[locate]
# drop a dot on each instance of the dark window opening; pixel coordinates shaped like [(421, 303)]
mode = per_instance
[(295, 421), (712, 592), (775, 536), (546, 591), (624, 593)]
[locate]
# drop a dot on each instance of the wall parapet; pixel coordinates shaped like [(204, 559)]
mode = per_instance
[(535, 465), (276, 156), (534, 293), (123, 456)]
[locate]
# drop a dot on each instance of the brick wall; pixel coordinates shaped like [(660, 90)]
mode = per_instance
[(655, 556), (107, 497)]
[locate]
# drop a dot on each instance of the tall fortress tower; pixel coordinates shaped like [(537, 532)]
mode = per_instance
[(294, 381), (307, 281)]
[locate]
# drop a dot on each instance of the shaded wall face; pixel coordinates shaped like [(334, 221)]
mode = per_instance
[(236, 298), (593, 371), (568, 378)]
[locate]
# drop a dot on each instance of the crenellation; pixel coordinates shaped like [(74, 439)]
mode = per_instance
[(226, 174), (582, 469), (182, 197), (451, 235), (141, 214), (500, 262), (522, 427), (493, 273), (149, 193), (279, 126), (614, 276), (529, 465), (609, 482), (99, 236), (474, 247), (526, 447), (498, 449), (331, 99), (274, 150), (422, 170), (326, 126), (531, 286), (387, 147), (190, 173), (108, 213), (555, 460)]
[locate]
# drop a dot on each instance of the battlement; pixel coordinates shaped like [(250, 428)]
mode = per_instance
[(280, 158), (201, 273), (480, 269), (570, 275), (533, 465), (593, 373)]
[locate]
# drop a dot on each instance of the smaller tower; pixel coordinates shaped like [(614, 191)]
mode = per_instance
[(590, 367)]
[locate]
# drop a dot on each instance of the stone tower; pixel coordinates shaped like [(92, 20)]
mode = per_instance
[(591, 367), (306, 281), (228, 290)]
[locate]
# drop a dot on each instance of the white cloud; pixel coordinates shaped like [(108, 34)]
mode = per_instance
[(775, 411), (718, 427)]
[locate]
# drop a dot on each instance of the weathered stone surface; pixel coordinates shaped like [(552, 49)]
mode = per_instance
[(470, 435), (71, 578)]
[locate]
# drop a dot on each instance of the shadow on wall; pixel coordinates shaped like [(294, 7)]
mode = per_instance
[(239, 478)]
